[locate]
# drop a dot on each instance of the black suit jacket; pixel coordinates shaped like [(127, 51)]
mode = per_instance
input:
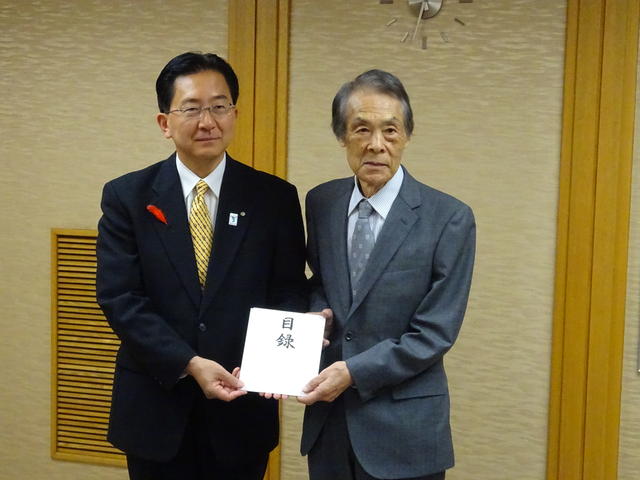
[(147, 286)]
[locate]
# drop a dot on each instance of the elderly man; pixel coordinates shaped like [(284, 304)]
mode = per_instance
[(186, 246), (393, 259)]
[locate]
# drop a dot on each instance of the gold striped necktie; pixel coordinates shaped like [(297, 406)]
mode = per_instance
[(201, 230)]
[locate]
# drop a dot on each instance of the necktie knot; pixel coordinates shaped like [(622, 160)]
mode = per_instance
[(364, 209), (201, 188)]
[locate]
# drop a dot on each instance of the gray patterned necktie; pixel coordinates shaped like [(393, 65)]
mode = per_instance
[(361, 244)]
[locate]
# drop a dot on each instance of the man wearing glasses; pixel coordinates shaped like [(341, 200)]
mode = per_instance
[(185, 248)]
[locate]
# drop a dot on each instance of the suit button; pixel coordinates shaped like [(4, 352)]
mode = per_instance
[(202, 327), (348, 336)]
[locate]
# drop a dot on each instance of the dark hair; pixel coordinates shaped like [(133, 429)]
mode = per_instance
[(379, 81), (189, 63)]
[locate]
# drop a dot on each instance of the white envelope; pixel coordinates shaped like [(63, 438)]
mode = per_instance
[(281, 351)]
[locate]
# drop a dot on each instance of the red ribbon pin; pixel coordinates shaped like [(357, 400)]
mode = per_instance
[(156, 212)]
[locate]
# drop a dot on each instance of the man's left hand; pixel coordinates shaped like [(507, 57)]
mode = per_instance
[(328, 385)]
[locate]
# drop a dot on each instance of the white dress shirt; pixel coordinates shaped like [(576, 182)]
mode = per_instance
[(188, 180), (381, 202)]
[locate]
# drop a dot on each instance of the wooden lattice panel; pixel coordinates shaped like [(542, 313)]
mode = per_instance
[(83, 351)]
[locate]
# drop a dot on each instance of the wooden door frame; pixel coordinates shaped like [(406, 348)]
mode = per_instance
[(592, 239), (259, 52)]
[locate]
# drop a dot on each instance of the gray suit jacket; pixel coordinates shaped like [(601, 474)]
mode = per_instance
[(393, 335)]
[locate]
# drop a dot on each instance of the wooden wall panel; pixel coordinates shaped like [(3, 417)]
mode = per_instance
[(593, 224), (258, 51), (241, 44)]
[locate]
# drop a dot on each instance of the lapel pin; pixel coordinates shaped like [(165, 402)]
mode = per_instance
[(159, 214), (242, 214), (233, 219)]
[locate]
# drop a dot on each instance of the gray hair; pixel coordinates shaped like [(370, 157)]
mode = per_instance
[(379, 81)]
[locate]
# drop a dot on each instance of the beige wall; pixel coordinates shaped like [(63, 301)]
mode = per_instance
[(79, 75), (487, 108), (78, 79), (629, 455)]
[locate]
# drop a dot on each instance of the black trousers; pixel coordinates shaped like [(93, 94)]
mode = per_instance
[(332, 456), (196, 459)]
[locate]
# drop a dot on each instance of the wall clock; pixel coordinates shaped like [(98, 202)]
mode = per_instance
[(415, 20)]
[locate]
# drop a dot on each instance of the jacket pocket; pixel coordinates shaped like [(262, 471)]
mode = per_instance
[(422, 386)]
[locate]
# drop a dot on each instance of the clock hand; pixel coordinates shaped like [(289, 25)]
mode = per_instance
[(424, 6)]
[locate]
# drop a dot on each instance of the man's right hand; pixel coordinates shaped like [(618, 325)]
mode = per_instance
[(214, 380)]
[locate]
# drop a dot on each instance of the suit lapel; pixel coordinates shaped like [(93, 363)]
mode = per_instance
[(175, 234), (337, 226), (396, 227), (237, 197)]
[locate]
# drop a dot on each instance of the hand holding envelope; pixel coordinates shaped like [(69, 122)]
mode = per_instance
[(328, 385), (214, 380), (327, 313)]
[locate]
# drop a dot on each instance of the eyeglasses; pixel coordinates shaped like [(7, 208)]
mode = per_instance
[(218, 111)]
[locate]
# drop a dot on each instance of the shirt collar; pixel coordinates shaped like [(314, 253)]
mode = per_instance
[(188, 179), (382, 200)]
